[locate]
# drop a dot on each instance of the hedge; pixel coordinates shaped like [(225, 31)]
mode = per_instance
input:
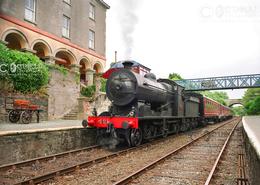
[(25, 71)]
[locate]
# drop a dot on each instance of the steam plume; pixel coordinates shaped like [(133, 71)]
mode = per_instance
[(128, 20)]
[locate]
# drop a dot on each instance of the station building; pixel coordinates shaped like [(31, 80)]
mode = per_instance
[(71, 33)]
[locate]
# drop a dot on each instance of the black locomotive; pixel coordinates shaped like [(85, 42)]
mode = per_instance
[(143, 107)]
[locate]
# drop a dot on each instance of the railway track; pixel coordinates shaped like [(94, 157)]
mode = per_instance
[(21, 171), (232, 165), (40, 159), (112, 169), (27, 172), (193, 163), (33, 172)]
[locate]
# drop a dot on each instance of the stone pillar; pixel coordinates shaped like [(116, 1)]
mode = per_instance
[(49, 60), (97, 81), (75, 68), (90, 76), (3, 42), (84, 107)]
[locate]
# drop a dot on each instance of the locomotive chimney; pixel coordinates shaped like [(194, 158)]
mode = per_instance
[(115, 56), (128, 64)]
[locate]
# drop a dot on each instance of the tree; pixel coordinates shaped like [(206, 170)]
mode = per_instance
[(239, 111), (220, 97), (250, 94), (175, 76), (251, 100)]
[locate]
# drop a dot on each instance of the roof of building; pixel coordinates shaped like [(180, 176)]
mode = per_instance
[(104, 4)]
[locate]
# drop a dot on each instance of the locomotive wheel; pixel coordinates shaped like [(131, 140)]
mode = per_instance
[(26, 117), (136, 137), (147, 132), (14, 116), (165, 131), (183, 127)]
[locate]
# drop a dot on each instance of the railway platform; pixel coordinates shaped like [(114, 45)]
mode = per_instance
[(12, 128), (20, 142), (251, 125)]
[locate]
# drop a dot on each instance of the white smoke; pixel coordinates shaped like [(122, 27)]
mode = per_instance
[(128, 19)]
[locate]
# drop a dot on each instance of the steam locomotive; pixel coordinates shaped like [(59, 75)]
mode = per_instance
[(143, 107)]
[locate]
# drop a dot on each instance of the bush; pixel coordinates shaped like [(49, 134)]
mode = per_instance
[(61, 69), (88, 91), (25, 71), (103, 84), (238, 111), (253, 106)]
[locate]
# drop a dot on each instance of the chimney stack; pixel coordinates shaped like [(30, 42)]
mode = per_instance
[(115, 56)]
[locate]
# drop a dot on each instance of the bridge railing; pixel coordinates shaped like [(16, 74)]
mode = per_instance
[(224, 82)]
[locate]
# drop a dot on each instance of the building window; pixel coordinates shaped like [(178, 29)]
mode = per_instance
[(92, 11), (67, 1), (30, 10), (91, 40), (66, 27)]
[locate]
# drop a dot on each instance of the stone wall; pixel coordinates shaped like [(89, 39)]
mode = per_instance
[(19, 147), (253, 162), (63, 91), (6, 100), (63, 96), (86, 105)]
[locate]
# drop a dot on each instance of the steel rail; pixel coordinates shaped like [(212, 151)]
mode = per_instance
[(220, 154), (46, 158), (241, 176), (163, 158), (85, 164), (88, 163)]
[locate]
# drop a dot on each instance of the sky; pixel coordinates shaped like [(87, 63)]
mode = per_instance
[(193, 38)]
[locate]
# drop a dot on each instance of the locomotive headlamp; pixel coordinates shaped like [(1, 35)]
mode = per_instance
[(118, 87)]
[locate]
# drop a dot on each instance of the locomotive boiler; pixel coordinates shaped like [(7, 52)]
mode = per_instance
[(143, 107)]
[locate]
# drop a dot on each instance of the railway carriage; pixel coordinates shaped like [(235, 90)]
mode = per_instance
[(214, 111), (143, 107)]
